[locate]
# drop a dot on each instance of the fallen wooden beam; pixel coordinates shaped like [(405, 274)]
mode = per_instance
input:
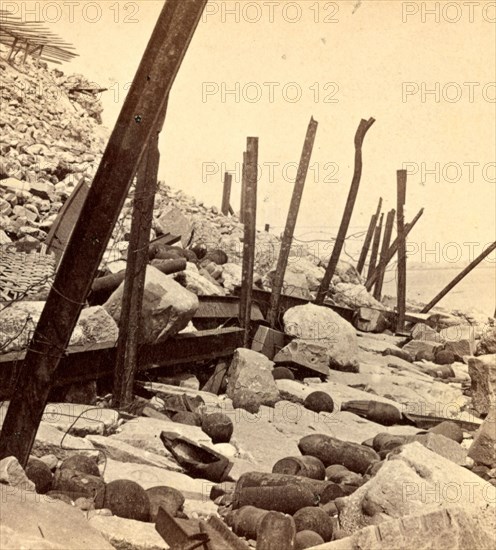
[(91, 362)]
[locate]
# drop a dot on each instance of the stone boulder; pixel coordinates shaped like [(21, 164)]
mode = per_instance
[(167, 306), (94, 325), (354, 296), (173, 221), (459, 339), (19, 320), (487, 344), (307, 354), (413, 480), (232, 275), (445, 529), (482, 371), (483, 449), (295, 284), (198, 284), (12, 474), (46, 525), (321, 325), (422, 349), (422, 331), (252, 371)]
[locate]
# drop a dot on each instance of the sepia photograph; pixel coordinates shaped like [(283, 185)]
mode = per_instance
[(247, 274)]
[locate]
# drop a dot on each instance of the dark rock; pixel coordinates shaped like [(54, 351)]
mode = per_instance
[(319, 401), (287, 499), (307, 539), (387, 442), (81, 463), (167, 497), (330, 450), (186, 417), (247, 400), (67, 480), (340, 474), (282, 373), (306, 466), (402, 354), (444, 357), (245, 521), (451, 430), (218, 426), (218, 257), (127, 499), (40, 474), (331, 493), (276, 531), (314, 519), (425, 355)]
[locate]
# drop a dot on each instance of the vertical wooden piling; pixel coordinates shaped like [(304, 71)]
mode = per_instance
[(375, 246), (243, 190), (226, 193), (459, 277), (250, 221), (294, 208), (386, 242), (143, 107), (134, 283), (362, 130), (368, 238), (400, 225), (394, 248)]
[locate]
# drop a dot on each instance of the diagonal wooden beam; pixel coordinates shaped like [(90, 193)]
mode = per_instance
[(142, 109), (368, 238), (294, 207)]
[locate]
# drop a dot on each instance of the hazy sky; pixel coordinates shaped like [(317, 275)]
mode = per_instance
[(338, 62)]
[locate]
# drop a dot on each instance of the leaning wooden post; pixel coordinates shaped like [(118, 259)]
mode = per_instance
[(458, 278), (368, 238), (386, 241), (142, 109), (250, 221), (375, 245), (294, 207), (134, 283), (400, 225), (394, 248), (226, 193), (348, 211)]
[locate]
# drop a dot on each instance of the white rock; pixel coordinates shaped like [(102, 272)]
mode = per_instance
[(167, 306), (323, 326)]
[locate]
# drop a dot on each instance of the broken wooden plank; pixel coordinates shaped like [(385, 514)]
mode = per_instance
[(362, 130), (458, 278), (64, 223), (223, 308), (375, 247), (368, 238), (294, 207), (143, 106), (91, 362)]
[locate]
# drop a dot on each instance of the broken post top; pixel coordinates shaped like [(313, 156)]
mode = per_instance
[(362, 130)]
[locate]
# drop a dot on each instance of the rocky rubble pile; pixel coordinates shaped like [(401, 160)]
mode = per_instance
[(328, 464)]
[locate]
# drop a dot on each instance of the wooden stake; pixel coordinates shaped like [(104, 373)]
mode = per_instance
[(400, 224), (458, 278), (386, 242), (368, 238), (294, 207), (134, 284), (375, 245), (143, 107), (394, 248), (348, 211), (250, 221), (243, 190), (226, 194)]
